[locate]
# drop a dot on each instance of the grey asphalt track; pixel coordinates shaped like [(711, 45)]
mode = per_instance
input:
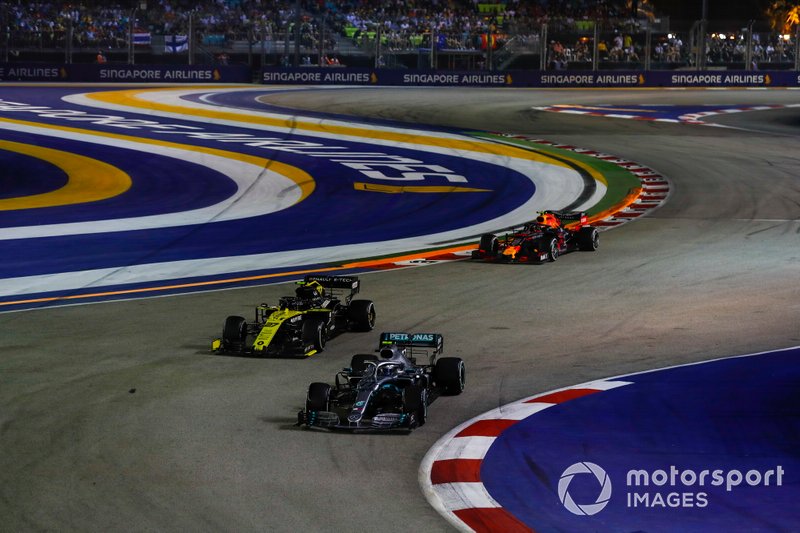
[(114, 417)]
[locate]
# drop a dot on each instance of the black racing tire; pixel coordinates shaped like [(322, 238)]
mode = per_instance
[(361, 315), (319, 397), (450, 375), (588, 239), (359, 361), (314, 333), (551, 247), (234, 333), (415, 401), (489, 245)]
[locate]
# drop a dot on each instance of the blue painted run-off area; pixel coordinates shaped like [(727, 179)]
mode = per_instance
[(734, 423), (336, 214)]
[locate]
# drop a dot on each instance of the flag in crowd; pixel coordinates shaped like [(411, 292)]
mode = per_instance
[(176, 43), (142, 38)]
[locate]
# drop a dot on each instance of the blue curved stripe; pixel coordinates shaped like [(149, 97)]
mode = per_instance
[(335, 214), (648, 111), (23, 175), (160, 185), (731, 414)]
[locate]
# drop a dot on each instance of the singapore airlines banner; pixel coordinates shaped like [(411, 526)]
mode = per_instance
[(121, 73), (559, 78), (90, 72)]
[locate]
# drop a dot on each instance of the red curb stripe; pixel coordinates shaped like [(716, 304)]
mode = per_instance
[(456, 471), (486, 428), (563, 396), (491, 520), (651, 194)]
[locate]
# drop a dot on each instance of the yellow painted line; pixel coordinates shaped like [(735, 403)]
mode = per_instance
[(408, 257), (165, 287), (397, 189), (143, 290), (88, 180), (131, 97), (301, 178)]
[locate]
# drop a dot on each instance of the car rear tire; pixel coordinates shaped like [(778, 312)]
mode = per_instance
[(415, 402), (361, 315), (359, 361), (314, 334), (234, 333), (319, 397), (552, 249), (489, 245), (450, 375), (588, 239)]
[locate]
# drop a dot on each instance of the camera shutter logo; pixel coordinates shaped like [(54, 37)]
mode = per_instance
[(587, 509)]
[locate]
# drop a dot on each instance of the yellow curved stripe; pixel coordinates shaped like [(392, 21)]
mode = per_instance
[(131, 98), (399, 189), (302, 179), (88, 180)]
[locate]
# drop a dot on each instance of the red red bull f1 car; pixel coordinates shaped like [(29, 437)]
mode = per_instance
[(553, 233)]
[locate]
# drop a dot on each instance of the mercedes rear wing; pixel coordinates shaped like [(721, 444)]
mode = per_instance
[(429, 344)]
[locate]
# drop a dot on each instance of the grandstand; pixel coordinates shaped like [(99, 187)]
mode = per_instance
[(454, 34)]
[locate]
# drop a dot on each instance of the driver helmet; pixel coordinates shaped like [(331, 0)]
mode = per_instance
[(547, 219), (310, 290)]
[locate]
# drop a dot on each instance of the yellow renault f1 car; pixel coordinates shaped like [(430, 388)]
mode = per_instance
[(299, 325)]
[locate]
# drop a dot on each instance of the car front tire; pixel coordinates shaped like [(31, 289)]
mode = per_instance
[(234, 333), (314, 334)]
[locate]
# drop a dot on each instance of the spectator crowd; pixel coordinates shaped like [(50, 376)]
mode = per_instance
[(395, 25), (459, 23)]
